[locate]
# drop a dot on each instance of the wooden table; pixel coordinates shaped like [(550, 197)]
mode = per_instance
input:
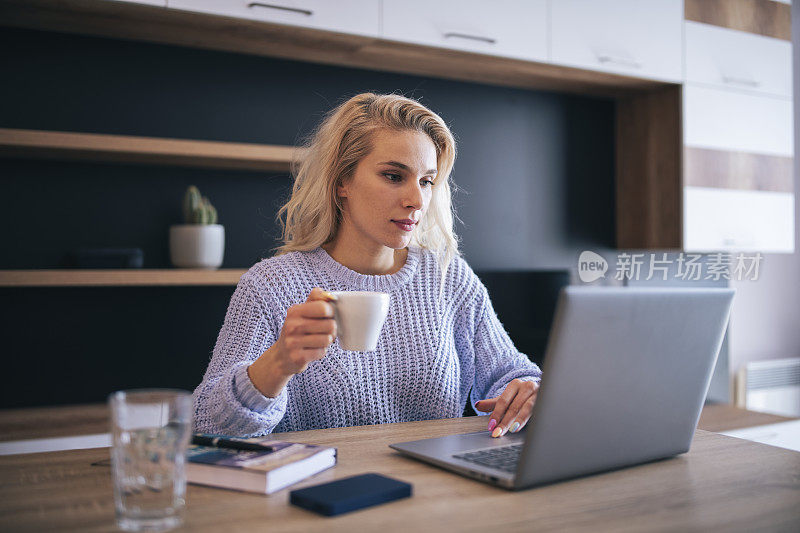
[(89, 419), (721, 484)]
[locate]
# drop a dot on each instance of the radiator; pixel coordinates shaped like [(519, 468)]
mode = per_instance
[(770, 387)]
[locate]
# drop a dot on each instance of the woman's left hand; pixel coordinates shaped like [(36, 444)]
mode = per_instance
[(512, 409)]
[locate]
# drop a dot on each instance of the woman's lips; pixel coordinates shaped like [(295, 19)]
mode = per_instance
[(405, 225)]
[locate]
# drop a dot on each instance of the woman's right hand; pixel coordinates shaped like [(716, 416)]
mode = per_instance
[(307, 332)]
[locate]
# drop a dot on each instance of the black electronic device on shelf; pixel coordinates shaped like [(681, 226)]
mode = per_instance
[(105, 258)]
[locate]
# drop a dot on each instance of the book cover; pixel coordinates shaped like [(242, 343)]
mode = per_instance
[(257, 471)]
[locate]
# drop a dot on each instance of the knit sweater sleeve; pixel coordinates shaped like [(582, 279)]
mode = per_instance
[(226, 402), (486, 344)]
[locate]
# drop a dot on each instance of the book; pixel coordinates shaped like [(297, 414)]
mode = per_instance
[(279, 465)]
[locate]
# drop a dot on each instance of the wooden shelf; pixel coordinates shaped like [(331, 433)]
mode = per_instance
[(145, 150), (119, 278)]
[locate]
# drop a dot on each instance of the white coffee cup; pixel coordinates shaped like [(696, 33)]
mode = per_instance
[(359, 318)]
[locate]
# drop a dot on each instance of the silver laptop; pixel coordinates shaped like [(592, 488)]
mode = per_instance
[(625, 376)]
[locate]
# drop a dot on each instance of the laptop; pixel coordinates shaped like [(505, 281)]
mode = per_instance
[(625, 375)]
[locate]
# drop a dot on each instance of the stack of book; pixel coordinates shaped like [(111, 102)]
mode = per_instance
[(253, 465)]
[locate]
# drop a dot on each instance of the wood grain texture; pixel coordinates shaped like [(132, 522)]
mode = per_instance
[(145, 150), (724, 417), (649, 189), (89, 419), (721, 484), (53, 421), (705, 167), (147, 23), (764, 17), (119, 277)]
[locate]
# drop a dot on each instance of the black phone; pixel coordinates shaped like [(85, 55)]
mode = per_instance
[(350, 494)]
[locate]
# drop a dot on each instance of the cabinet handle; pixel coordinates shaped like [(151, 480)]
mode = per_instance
[(450, 35), (624, 61), (748, 82), (306, 12)]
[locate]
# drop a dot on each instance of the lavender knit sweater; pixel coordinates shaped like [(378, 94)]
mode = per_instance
[(431, 352)]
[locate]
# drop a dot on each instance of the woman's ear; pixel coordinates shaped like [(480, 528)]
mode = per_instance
[(342, 188)]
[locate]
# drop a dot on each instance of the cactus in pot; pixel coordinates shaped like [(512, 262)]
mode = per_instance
[(197, 209), (200, 242)]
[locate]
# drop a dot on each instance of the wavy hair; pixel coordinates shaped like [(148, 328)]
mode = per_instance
[(313, 214)]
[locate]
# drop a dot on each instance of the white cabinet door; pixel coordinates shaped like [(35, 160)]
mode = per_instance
[(738, 122), (733, 59), (737, 220), (511, 28), (641, 38), (346, 16)]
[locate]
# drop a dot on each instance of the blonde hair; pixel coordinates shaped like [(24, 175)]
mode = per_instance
[(313, 214)]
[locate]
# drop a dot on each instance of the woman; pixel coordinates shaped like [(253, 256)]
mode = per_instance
[(370, 210)]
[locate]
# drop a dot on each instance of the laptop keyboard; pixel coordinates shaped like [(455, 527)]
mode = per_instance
[(501, 457)]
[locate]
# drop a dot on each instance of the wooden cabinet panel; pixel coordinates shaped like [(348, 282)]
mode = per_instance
[(633, 37), (648, 174), (705, 167), (347, 16), (510, 28), (764, 17)]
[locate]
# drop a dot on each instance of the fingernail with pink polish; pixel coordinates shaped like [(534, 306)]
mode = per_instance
[(492, 424)]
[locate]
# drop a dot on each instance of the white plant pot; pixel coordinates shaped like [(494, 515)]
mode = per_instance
[(197, 245)]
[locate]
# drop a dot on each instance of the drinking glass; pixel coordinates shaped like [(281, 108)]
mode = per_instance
[(150, 433)]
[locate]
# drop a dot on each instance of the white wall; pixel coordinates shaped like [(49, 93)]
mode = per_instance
[(766, 317)]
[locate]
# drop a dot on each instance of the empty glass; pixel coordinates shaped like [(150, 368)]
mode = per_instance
[(150, 433)]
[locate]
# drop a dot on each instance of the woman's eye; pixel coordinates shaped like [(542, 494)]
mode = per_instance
[(392, 177), (426, 183)]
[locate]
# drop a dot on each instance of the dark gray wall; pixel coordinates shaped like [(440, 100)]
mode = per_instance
[(535, 171)]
